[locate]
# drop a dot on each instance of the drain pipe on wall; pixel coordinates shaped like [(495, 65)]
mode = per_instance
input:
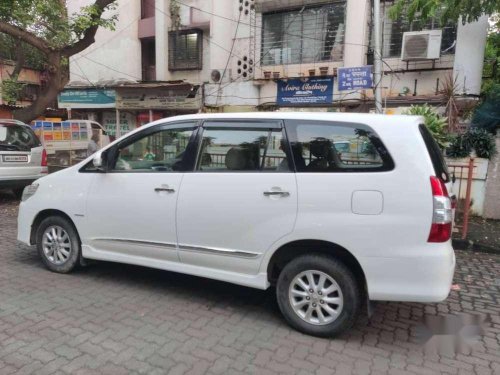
[(377, 57)]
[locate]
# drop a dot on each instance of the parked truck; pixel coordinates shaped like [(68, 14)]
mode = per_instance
[(66, 142)]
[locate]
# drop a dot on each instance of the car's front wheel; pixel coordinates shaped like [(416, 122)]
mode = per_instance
[(58, 244), (318, 295)]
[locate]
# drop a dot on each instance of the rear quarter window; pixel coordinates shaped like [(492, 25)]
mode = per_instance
[(435, 153), (15, 137), (323, 146)]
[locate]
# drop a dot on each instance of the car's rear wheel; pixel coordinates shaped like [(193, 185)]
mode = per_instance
[(58, 244), (318, 295)]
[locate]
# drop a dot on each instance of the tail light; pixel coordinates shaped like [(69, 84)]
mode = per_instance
[(44, 161), (442, 212)]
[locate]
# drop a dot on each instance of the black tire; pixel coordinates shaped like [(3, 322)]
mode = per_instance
[(18, 192), (72, 260), (340, 274)]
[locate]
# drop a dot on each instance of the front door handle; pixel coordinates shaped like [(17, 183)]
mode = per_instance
[(165, 188), (280, 193)]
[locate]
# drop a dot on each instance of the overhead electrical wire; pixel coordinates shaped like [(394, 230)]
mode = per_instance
[(231, 53), (229, 56)]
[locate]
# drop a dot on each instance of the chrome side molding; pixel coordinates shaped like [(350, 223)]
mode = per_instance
[(172, 246), (225, 252)]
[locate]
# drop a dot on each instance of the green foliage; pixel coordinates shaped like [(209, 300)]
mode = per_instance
[(479, 140), (434, 122), (444, 10), (86, 19), (175, 14), (33, 58), (48, 19), (459, 147), (46, 27), (491, 67), (11, 89), (487, 115)]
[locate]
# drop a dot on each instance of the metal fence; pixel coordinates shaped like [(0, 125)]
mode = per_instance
[(462, 199)]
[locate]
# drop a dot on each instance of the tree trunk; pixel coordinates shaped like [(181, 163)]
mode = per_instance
[(58, 78), (20, 59)]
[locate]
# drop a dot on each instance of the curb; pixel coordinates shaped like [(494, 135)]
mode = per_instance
[(469, 245)]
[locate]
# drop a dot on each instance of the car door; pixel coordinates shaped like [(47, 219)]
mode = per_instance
[(240, 199), (131, 208)]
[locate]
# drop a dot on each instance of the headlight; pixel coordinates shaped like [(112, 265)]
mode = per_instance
[(29, 191)]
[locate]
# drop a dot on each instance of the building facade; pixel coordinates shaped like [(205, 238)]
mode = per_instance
[(246, 55), (31, 80)]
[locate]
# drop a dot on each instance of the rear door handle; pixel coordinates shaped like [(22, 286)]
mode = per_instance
[(165, 188), (280, 193)]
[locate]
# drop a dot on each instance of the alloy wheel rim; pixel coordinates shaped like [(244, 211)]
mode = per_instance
[(56, 245), (316, 297)]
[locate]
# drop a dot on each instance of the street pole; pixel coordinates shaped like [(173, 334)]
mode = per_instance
[(377, 54)]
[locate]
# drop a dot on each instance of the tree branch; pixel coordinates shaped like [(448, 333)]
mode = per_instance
[(25, 36), (20, 59), (88, 36)]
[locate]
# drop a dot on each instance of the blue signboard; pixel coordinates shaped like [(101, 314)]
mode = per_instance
[(304, 91), (355, 78), (87, 98)]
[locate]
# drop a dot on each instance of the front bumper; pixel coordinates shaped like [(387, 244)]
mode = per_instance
[(25, 219), (417, 278)]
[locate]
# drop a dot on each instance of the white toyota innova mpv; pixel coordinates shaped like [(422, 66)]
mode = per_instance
[(261, 199)]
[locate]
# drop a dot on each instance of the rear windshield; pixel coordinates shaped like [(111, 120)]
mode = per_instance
[(440, 167), (14, 137)]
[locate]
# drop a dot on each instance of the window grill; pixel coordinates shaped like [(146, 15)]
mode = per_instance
[(185, 50), (315, 34), (392, 33)]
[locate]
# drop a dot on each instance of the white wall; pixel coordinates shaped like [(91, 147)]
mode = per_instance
[(469, 55), (115, 54)]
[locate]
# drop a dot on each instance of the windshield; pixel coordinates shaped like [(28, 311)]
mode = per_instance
[(14, 137)]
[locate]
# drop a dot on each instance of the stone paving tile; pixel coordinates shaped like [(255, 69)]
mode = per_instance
[(118, 319)]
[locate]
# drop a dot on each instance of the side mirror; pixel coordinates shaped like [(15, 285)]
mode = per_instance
[(97, 161)]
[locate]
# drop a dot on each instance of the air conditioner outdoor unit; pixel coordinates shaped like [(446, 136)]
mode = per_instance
[(218, 75), (421, 45)]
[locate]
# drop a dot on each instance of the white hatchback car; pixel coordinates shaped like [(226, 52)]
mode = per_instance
[(261, 199)]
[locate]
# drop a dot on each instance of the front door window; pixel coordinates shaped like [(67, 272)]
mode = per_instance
[(162, 151)]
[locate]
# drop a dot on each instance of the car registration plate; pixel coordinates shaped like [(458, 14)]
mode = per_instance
[(15, 158)]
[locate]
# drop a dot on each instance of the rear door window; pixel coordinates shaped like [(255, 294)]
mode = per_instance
[(242, 147), (320, 146), (15, 137)]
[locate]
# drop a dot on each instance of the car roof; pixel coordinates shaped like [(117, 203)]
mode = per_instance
[(12, 122), (371, 119)]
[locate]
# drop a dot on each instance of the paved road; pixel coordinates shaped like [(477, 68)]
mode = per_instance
[(116, 319)]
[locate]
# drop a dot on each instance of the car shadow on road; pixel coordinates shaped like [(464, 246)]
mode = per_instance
[(204, 293)]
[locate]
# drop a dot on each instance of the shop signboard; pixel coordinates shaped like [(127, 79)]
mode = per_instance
[(355, 78), (304, 91), (160, 98), (86, 98)]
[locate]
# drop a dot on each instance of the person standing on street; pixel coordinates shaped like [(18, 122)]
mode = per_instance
[(93, 144)]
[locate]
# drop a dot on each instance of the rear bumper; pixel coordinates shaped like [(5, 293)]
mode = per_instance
[(10, 179), (421, 278)]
